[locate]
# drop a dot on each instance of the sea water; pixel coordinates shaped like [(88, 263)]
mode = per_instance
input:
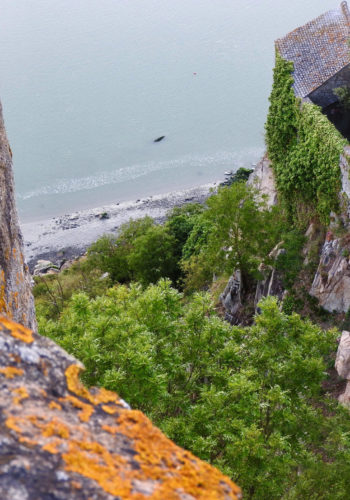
[(87, 85)]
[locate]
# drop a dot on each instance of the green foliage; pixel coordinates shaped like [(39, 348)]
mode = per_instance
[(343, 94), (237, 231), (153, 256), (290, 262), (144, 251), (111, 253), (241, 175), (180, 223), (245, 399), (52, 292), (304, 148)]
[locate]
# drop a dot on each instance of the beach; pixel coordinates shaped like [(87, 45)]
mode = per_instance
[(67, 237)]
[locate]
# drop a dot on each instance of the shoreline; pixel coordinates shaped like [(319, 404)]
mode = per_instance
[(67, 237)]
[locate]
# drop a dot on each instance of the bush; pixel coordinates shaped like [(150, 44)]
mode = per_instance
[(248, 400)]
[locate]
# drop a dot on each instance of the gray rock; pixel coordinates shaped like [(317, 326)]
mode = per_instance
[(16, 299), (263, 179), (231, 298), (42, 267), (331, 284), (342, 362)]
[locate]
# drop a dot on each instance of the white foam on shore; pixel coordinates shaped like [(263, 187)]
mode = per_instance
[(72, 185)]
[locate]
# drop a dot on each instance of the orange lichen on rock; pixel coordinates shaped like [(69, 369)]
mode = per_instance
[(21, 393), (157, 454), (54, 406), (18, 331), (11, 371), (74, 383), (53, 447), (77, 387), (3, 300), (55, 428), (112, 410), (87, 410), (94, 461)]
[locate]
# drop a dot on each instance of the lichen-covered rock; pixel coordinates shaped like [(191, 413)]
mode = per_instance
[(59, 440), (16, 300), (331, 285), (263, 179)]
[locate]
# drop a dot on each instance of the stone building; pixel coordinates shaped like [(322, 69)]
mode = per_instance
[(320, 52)]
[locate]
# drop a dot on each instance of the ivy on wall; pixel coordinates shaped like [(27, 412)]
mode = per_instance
[(304, 147)]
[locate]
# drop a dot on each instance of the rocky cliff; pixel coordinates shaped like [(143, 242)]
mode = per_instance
[(16, 300)]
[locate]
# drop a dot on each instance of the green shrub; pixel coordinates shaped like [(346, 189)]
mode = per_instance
[(237, 231), (248, 400)]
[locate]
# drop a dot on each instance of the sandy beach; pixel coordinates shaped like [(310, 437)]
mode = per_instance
[(66, 237)]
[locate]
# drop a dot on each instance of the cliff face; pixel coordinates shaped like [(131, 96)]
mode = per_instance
[(59, 440), (16, 300)]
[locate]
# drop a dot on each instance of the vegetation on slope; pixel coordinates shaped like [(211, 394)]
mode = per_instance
[(304, 148), (248, 400)]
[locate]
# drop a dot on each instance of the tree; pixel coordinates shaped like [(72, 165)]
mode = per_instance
[(240, 231), (153, 256), (110, 253)]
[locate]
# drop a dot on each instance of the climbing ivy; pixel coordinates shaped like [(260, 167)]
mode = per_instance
[(304, 148)]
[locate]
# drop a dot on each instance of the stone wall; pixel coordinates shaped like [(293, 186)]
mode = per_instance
[(16, 300)]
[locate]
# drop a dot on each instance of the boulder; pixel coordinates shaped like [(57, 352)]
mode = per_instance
[(16, 299), (43, 267), (331, 284), (59, 440)]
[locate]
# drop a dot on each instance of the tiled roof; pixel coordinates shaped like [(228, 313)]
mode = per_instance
[(318, 50)]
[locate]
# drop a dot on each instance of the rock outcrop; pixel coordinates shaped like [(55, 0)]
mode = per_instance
[(263, 179), (331, 285), (231, 299), (16, 300), (342, 365), (59, 440)]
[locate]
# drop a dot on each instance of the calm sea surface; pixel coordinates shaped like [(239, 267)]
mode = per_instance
[(86, 86)]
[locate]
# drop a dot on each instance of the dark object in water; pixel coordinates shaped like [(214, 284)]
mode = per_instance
[(159, 138)]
